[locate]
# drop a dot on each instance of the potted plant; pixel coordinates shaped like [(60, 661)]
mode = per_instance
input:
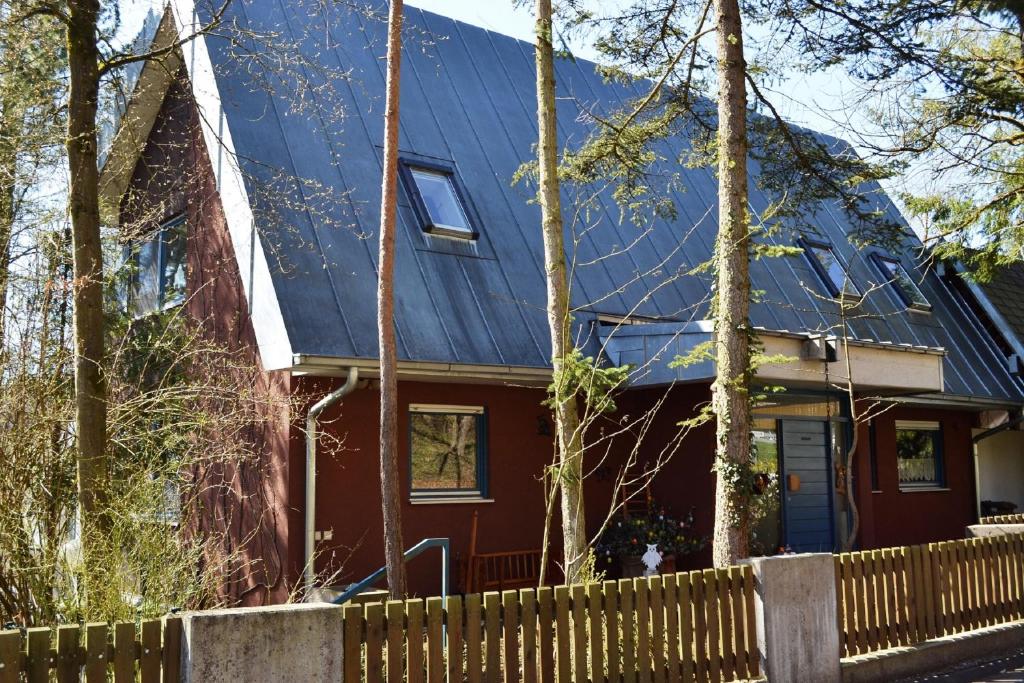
[(626, 539)]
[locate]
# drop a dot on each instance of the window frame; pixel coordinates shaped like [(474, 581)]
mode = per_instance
[(162, 304), (406, 166), (935, 427), (840, 294), (482, 481), (880, 260)]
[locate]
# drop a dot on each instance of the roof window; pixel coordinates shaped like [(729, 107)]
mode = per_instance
[(830, 269), (437, 199), (905, 286)]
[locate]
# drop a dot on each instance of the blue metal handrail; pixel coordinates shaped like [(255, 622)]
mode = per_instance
[(425, 544)]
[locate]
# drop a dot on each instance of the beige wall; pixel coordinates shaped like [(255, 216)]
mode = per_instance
[(1001, 467)]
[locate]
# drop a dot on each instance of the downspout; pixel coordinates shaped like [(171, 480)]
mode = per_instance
[(350, 385)]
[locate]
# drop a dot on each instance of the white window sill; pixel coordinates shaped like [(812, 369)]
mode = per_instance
[(447, 500), (926, 489)]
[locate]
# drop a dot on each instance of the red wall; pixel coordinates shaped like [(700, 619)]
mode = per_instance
[(348, 496), (892, 517), (242, 500)]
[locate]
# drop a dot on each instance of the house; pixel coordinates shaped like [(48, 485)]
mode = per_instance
[(251, 178)]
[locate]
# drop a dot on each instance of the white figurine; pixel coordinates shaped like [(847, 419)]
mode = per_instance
[(651, 559)]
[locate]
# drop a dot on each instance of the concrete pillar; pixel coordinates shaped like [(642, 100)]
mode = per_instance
[(279, 643), (797, 634)]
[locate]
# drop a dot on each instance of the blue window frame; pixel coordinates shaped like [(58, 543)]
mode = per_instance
[(833, 274), (438, 198), (160, 268), (447, 451), (899, 277), (919, 454)]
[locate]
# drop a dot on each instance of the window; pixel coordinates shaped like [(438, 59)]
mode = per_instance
[(893, 271), (159, 280), (919, 453), (830, 269), (447, 451), (437, 199)]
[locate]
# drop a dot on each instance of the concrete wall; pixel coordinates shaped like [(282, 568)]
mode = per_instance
[(280, 643), (1001, 467)]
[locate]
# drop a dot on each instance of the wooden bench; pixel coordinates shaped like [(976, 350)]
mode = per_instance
[(501, 570)]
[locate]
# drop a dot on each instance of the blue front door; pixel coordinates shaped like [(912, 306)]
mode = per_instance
[(808, 524)]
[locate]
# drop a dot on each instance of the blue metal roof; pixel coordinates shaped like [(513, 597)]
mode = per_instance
[(468, 100)]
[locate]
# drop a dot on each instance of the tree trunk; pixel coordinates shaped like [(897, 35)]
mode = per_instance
[(90, 383), (730, 392), (569, 463), (391, 501)]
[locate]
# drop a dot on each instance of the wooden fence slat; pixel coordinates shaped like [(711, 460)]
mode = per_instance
[(149, 655), (861, 605), (435, 640), (700, 627), (528, 602), (626, 616), (510, 625), (171, 651), (952, 577), (579, 632), (657, 645), (753, 653), (687, 668), (545, 618), (124, 653), (474, 642), (492, 636), (67, 654), (375, 640), (352, 642), (960, 553), (595, 610), (415, 666), (38, 670), (725, 616), (849, 606), (453, 632), (920, 608), (739, 633), (672, 642), (395, 610), (10, 656), (891, 603), (714, 652), (871, 596), (641, 604), (563, 649), (97, 655), (613, 658)]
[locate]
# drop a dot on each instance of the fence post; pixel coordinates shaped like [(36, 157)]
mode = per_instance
[(301, 642), (795, 607)]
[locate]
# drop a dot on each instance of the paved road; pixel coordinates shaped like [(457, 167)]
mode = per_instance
[(1009, 669)]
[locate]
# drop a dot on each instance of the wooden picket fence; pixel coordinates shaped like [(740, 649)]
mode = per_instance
[(696, 626), (902, 596), (124, 653), (1003, 519)]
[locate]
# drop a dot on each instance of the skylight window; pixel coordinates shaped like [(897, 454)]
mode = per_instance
[(905, 286), (830, 269), (436, 196)]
